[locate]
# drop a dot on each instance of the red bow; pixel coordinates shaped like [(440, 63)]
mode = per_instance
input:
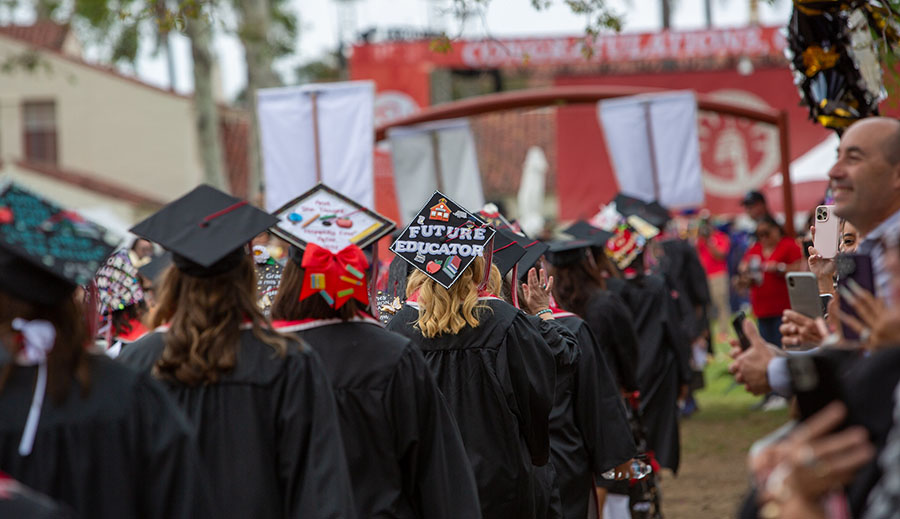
[(336, 277)]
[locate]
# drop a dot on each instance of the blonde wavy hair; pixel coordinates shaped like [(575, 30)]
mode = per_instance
[(449, 311)]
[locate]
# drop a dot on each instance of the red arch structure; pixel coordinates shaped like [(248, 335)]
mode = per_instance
[(571, 95)]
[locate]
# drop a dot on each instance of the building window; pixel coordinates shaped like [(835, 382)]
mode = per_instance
[(40, 131)]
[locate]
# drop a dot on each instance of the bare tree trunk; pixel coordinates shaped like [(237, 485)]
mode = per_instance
[(707, 13), (666, 8), (256, 20), (207, 115), (754, 12)]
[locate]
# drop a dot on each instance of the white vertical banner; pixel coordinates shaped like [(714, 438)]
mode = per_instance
[(343, 131), (654, 146), (441, 156), (531, 191)]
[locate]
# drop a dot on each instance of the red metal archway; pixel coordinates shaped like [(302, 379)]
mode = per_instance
[(566, 95)]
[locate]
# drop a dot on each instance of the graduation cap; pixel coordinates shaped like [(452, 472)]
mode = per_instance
[(157, 265), (652, 212), (490, 213), (45, 250), (268, 277), (443, 240), (625, 246), (205, 230), (118, 286), (329, 219), (507, 252), (581, 230), (563, 253)]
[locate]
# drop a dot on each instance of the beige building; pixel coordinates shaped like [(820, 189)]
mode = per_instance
[(96, 140)]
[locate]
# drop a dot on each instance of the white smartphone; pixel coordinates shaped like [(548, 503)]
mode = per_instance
[(828, 232), (804, 293)]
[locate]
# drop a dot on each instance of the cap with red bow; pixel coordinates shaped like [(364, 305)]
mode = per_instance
[(336, 277)]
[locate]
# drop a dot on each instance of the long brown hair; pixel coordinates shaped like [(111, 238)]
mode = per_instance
[(449, 311), (288, 306), (205, 316), (573, 284), (69, 359)]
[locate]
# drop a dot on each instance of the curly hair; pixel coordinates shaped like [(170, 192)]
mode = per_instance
[(205, 316), (449, 311), (69, 359)]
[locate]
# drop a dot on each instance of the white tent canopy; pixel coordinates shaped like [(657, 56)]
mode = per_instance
[(813, 165)]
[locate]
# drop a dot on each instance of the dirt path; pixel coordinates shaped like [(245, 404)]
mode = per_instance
[(713, 477)]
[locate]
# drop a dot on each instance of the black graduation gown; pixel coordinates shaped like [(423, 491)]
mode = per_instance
[(548, 501), (611, 322), (589, 431), (267, 432), (20, 502), (121, 450), (498, 381), (404, 451), (663, 363), (683, 272)]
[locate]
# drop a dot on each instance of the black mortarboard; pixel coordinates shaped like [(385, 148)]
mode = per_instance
[(330, 220), (506, 251), (443, 240), (45, 250), (562, 253), (652, 212), (534, 249), (157, 265), (581, 230), (205, 230)]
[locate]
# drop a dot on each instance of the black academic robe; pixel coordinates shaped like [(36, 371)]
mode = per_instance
[(589, 430), (404, 451), (498, 381), (548, 501), (663, 364), (20, 502), (609, 320), (267, 432), (685, 276), (123, 449)]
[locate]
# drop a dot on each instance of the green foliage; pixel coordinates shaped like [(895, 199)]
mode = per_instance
[(600, 18)]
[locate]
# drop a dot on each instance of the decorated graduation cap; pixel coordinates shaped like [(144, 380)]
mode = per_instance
[(118, 285), (651, 212), (490, 213), (328, 231), (206, 230), (155, 267), (45, 250), (330, 220), (443, 240), (268, 277)]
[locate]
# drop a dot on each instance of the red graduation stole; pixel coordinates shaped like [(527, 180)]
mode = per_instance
[(336, 277)]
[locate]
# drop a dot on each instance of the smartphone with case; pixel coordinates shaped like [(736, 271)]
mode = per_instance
[(828, 231), (815, 382), (856, 267), (738, 324), (804, 293)]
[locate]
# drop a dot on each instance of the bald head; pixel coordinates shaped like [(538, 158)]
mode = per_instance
[(866, 177), (885, 131)]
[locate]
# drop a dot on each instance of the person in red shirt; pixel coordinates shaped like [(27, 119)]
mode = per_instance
[(712, 247), (763, 269)]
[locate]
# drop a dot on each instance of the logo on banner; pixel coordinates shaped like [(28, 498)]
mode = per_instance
[(737, 154), (391, 105)]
